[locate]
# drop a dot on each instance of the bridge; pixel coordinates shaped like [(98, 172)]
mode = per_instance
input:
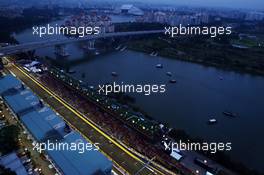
[(13, 49)]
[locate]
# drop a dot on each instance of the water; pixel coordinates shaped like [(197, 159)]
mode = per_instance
[(27, 36), (188, 104)]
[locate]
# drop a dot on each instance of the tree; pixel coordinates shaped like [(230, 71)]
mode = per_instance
[(9, 139)]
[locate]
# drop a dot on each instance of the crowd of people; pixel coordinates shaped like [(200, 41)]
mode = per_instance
[(111, 124)]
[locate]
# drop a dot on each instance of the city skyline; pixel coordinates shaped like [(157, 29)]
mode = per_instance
[(235, 4), (244, 4), (255, 4)]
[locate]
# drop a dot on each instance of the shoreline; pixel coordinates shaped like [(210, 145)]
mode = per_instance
[(202, 62)]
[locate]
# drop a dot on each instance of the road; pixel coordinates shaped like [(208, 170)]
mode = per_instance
[(122, 157)]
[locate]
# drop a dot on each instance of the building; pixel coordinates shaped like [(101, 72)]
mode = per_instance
[(255, 16), (11, 161), (11, 12), (91, 20), (129, 9), (174, 18), (44, 125), (160, 17)]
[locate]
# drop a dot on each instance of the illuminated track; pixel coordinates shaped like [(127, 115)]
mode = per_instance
[(148, 170)]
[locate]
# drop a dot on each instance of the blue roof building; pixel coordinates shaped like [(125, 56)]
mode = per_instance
[(21, 101), (46, 126), (8, 82), (88, 162), (14, 163)]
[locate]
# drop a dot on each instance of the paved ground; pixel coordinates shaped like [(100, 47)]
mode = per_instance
[(119, 155)]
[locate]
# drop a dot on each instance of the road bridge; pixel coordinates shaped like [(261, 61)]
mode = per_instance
[(13, 49)]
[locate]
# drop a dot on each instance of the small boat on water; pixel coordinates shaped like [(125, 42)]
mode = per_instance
[(71, 71), (159, 66), (124, 48), (173, 81), (118, 47), (97, 53), (212, 121), (169, 74), (230, 114), (114, 74), (154, 54)]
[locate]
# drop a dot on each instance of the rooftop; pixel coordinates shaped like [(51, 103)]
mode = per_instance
[(14, 163), (44, 124), (86, 163)]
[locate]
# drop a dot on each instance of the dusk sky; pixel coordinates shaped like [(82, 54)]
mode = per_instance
[(253, 4)]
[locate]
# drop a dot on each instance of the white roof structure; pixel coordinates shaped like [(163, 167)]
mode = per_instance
[(176, 155), (33, 63), (131, 9), (126, 7)]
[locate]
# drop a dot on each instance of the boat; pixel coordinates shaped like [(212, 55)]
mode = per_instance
[(118, 47), (124, 48), (230, 114), (173, 81), (221, 78), (114, 74), (212, 121), (71, 71), (154, 54), (97, 53), (169, 74), (159, 66)]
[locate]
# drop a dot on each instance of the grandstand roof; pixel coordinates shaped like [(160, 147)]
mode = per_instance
[(8, 82), (44, 124), (14, 163), (86, 163), (21, 100)]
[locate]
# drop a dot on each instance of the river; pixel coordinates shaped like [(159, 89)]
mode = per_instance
[(198, 94)]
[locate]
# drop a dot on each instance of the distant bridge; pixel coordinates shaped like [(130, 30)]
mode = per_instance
[(13, 49)]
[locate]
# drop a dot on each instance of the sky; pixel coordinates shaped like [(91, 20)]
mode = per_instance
[(253, 4), (248, 4)]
